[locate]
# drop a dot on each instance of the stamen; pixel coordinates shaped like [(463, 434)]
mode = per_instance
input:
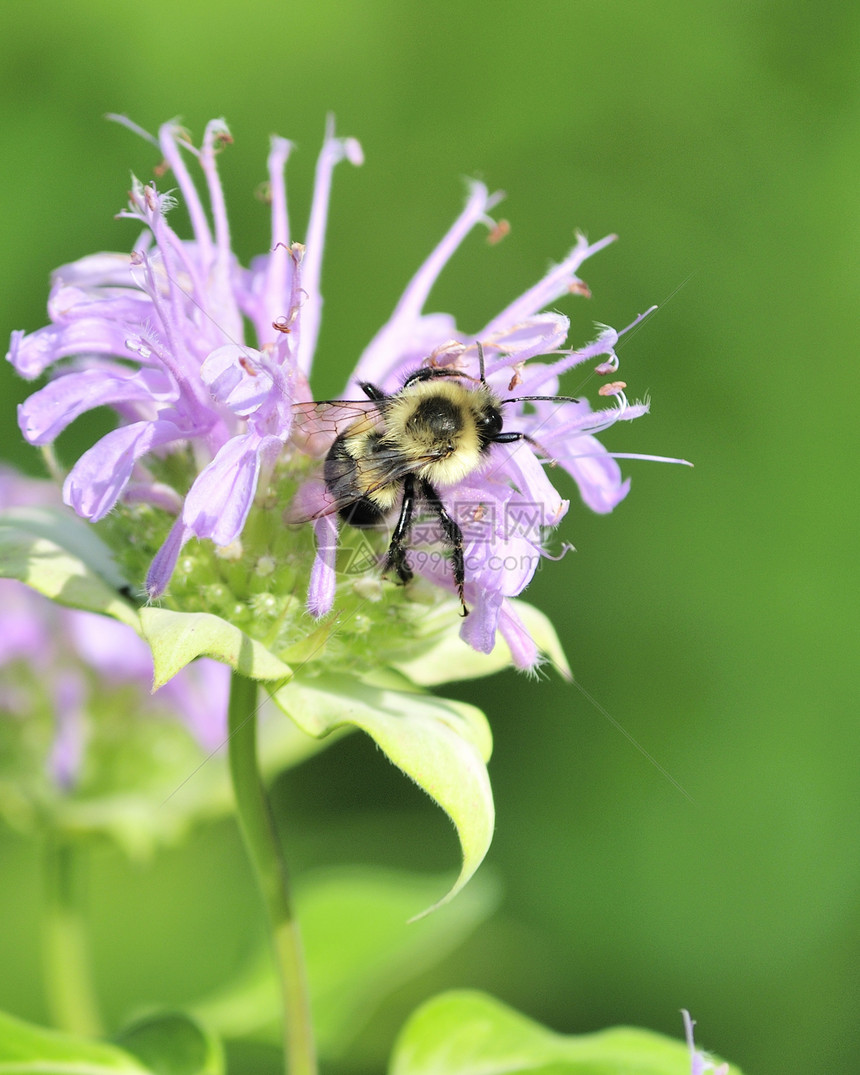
[(498, 232), (609, 366), (516, 378), (566, 547)]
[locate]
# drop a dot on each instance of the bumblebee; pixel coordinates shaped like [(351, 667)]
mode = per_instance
[(404, 447)]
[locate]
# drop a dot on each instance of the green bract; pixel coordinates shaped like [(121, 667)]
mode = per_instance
[(442, 745)]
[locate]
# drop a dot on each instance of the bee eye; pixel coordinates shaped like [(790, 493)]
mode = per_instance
[(491, 422)]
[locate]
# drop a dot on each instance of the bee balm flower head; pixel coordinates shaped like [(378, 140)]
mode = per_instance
[(206, 364)]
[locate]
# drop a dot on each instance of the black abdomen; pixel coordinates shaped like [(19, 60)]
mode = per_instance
[(343, 479)]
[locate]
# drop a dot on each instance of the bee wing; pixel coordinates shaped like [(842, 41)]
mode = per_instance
[(317, 423), (313, 500), (316, 499)]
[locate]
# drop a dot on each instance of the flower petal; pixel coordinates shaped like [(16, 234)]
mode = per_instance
[(323, 579), (98, 478), (596, 474), (538, 335), (237, 378), (406, 319), (524, 650), (164, 561), (333, 151), (218, 502), (478, 629), (31, 353), (560, 280), (45, 414)]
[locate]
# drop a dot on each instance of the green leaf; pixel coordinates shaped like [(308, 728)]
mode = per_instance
[(441, 744), (461, 1033), (360, 950), (176, 638), (171, 1043), (449, 659), (26, 1049), (62, 557)]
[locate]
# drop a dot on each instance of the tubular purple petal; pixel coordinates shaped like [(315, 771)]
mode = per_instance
[(559, 281), (32, 353), (45, 414), (218, 502), (164, 561), (269, 285), (597, 475), (168, 141), (323, 583), (478, 629), (524, 651), (383, 349), (519, 342)]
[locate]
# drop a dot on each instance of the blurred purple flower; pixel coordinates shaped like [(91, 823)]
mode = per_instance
[(77, 657)]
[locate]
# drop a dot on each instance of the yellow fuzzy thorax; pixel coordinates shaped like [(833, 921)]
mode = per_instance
[(453, 457)]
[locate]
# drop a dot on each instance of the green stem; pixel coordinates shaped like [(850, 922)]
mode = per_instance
[(264, 849), (69, 987)]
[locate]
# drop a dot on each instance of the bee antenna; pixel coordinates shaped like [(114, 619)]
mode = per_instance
[(547, 399), (480, 347)]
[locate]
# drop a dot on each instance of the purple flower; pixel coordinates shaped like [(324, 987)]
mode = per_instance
[(159, 337), (206, 415)]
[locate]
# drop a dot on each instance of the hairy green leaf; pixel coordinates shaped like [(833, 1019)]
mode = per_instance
[(442, 745), (176, 638)]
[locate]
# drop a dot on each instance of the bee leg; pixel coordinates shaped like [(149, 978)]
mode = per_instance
[(513, 437), (454, 537), (396, 556), (371, 391), (510, 438)]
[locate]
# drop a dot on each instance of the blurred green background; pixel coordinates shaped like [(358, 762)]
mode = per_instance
[(712, 616)]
